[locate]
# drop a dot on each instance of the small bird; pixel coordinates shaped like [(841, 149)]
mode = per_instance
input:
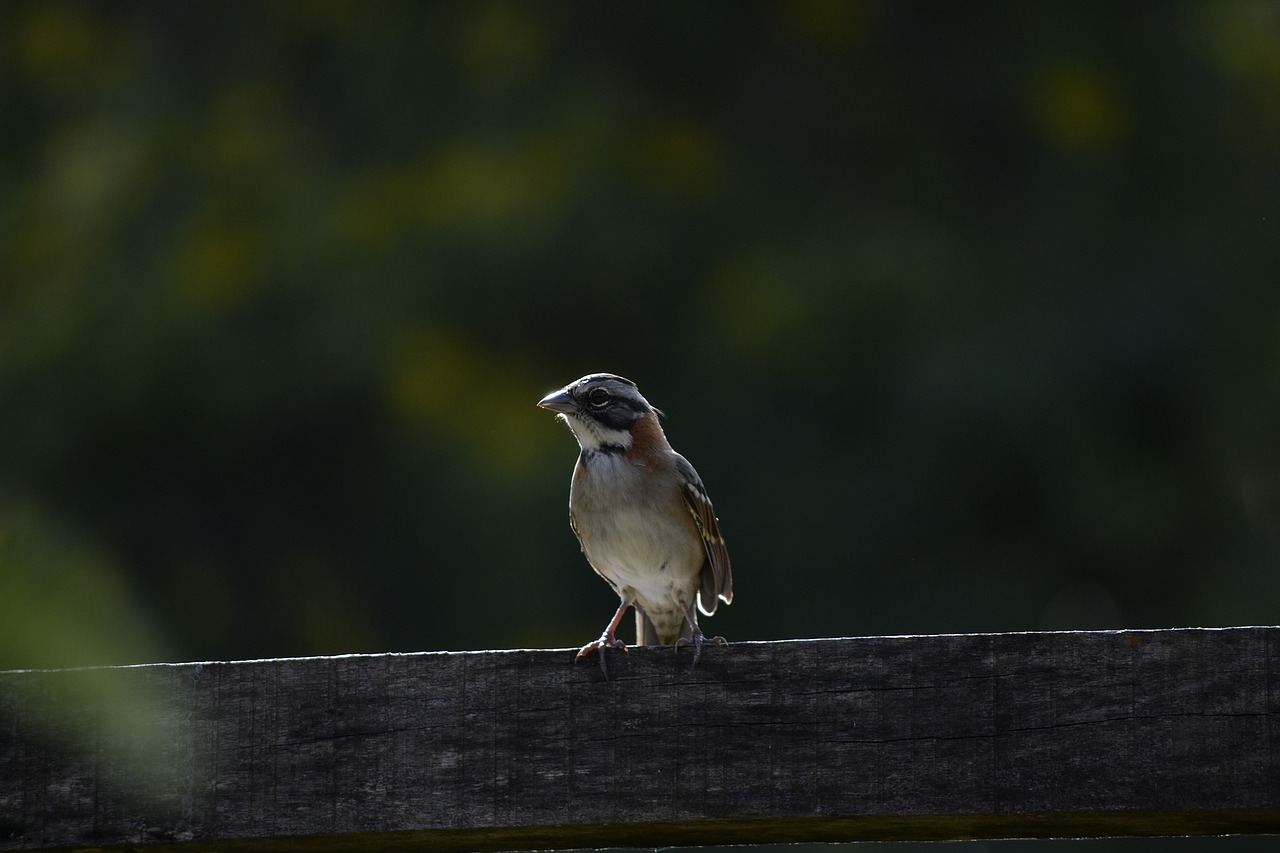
[(642, 516)]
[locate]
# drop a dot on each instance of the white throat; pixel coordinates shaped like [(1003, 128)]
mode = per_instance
[(592, 435)]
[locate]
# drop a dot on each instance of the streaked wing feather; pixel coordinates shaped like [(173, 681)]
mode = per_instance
[(717, 575)]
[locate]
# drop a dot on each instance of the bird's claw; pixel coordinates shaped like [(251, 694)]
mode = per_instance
[(604, 642), (698, 640)]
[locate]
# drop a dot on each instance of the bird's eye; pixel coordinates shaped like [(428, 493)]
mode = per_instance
[(598, 397)]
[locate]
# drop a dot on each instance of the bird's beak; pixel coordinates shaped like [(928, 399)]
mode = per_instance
[(558, 401)]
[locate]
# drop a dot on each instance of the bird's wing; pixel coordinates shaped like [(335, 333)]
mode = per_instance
[(717, 576)]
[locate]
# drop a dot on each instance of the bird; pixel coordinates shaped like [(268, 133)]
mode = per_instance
[(642, 516)]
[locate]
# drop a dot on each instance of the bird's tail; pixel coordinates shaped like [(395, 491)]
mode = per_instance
[(647, 635)]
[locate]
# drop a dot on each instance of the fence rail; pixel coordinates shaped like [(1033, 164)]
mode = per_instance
[(1170, 732)]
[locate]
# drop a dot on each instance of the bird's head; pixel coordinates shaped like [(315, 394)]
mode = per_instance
[(601, 409)]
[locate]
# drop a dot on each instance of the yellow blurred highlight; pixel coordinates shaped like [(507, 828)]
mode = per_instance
[(216, 266), (471, 183), (375, 209), (1078, 109), (831, 24), (94, 173), (476, 186), (454, 391), (250, 134), (1245, 39), (501, 43), (57, 37), (62, 49), (679, 159)]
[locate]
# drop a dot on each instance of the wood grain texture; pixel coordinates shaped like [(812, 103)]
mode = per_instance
[(931, 737)]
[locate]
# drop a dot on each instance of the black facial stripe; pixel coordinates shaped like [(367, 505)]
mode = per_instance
[(606, 449), (620, 409), (617, 415)]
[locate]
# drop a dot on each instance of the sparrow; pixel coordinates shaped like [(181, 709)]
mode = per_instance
[(642, 516)]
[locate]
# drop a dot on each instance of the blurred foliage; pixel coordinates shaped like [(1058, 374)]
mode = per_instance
[(65, 604), (967, 314)]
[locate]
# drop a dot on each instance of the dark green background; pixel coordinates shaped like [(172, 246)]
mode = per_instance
[(968, 314)]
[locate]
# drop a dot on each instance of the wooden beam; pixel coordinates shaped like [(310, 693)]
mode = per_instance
[(887, 738)]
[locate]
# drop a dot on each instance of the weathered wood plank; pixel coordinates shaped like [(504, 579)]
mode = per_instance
[(935, 737)]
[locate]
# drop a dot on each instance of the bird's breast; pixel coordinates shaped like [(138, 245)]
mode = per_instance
[(637, 535)]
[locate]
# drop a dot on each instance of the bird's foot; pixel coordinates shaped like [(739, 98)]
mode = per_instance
[(606, 641), (698, 640)]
